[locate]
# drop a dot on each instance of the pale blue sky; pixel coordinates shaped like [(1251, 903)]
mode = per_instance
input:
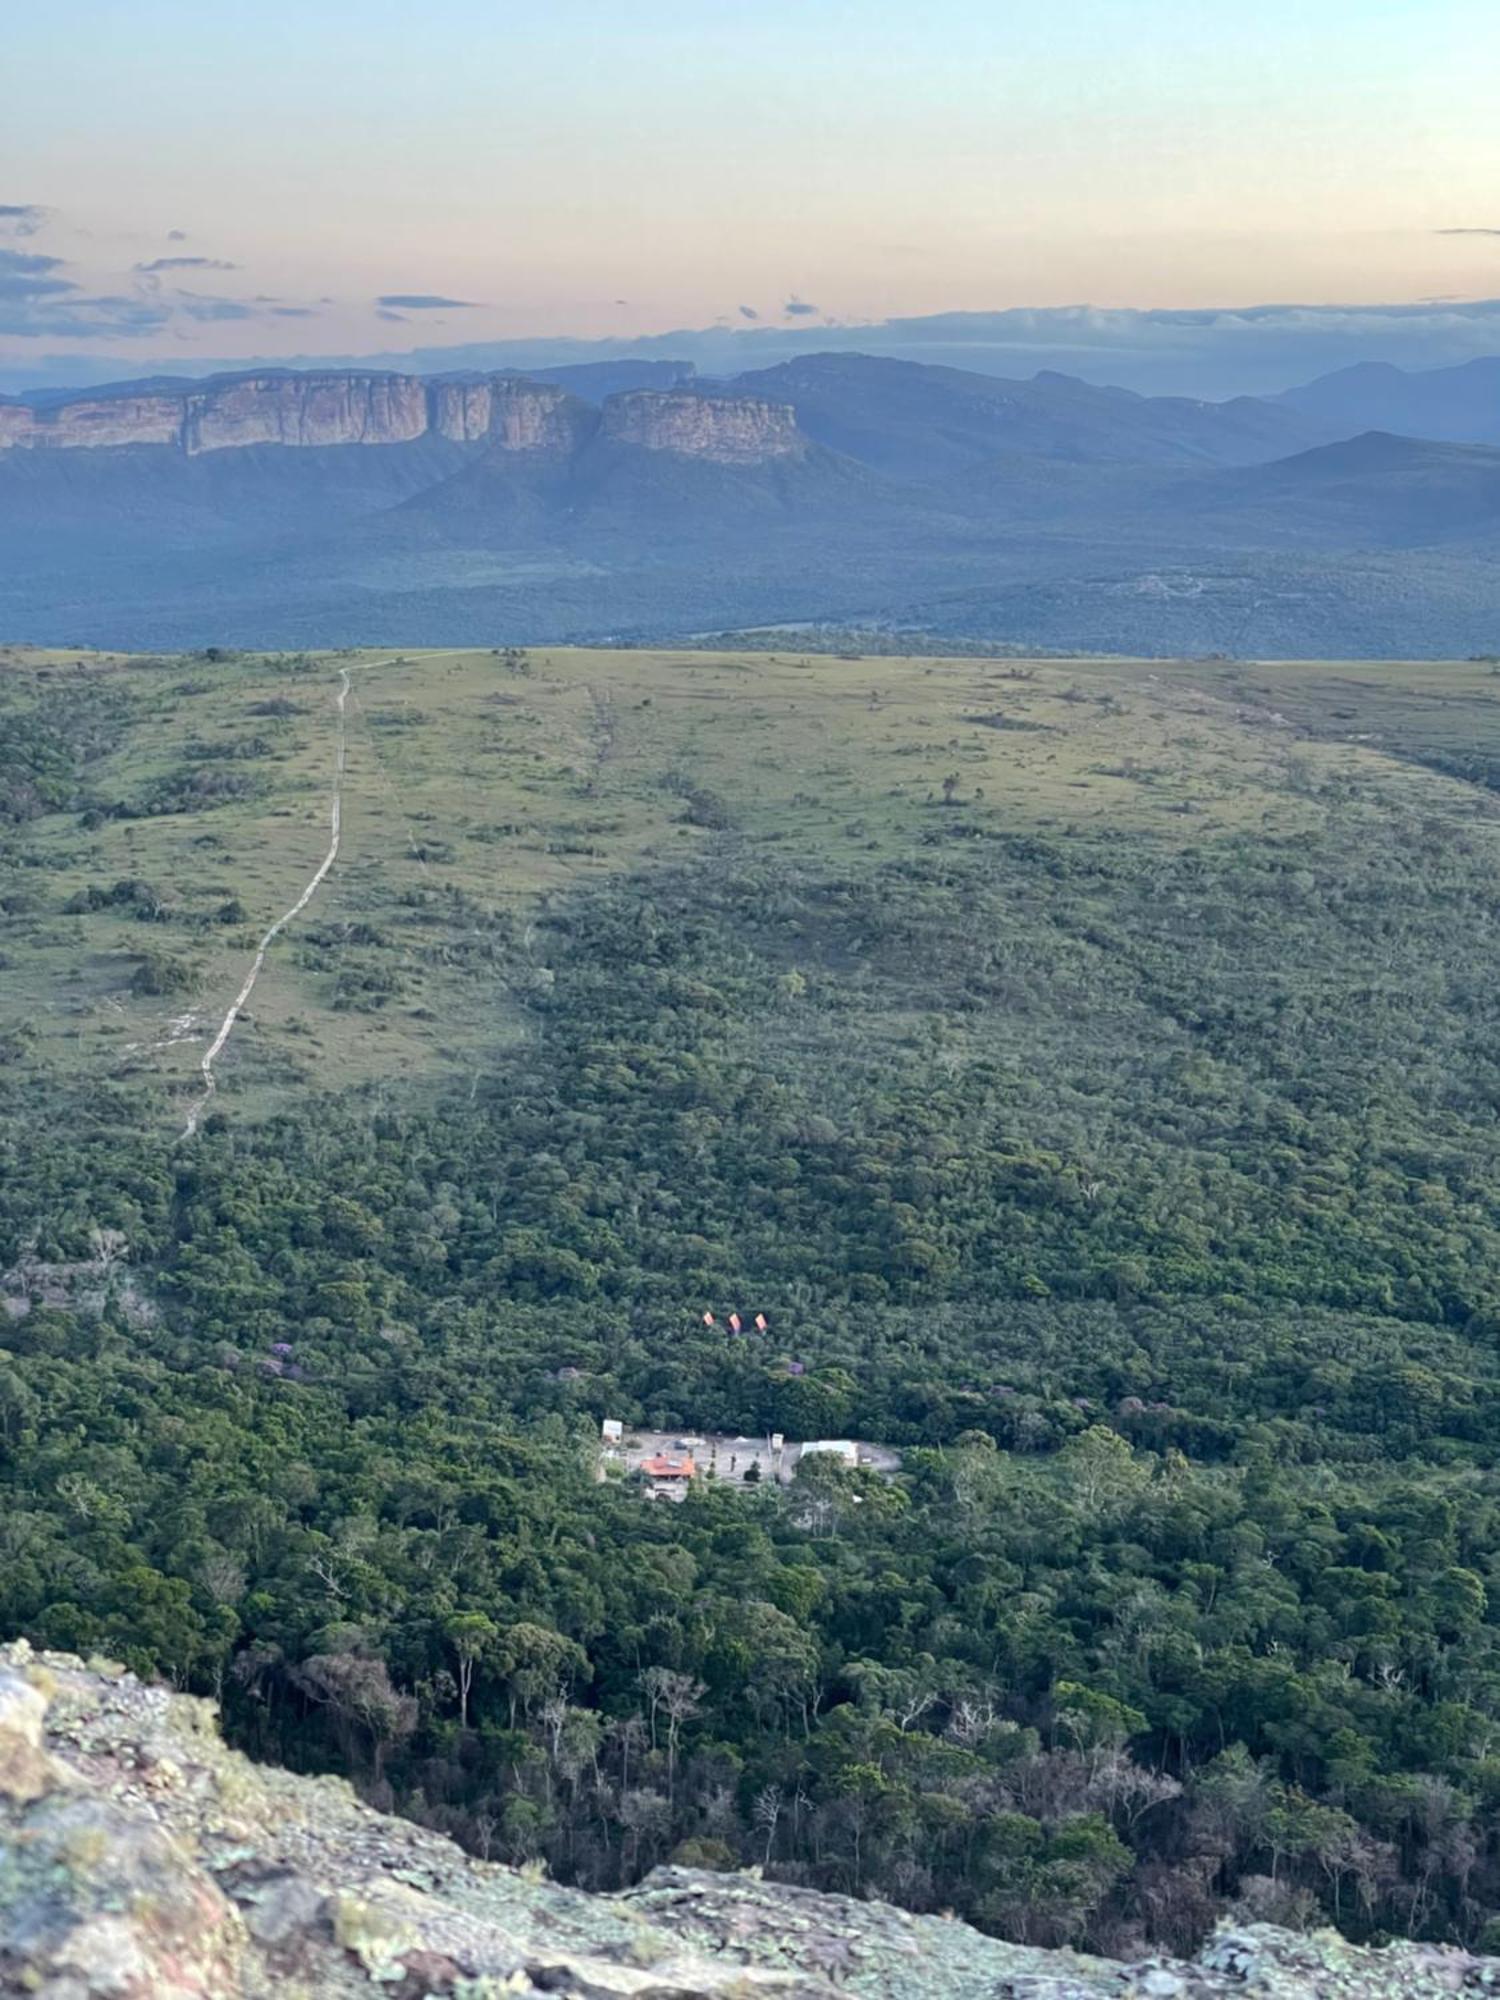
[(622, 166)]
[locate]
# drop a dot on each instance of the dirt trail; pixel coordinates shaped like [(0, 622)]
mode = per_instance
[(226, 1027)]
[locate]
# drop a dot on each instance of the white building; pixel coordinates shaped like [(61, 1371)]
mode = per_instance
[(842, 1449)]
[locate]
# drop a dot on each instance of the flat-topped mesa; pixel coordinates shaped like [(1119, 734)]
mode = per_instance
[(305, 410), (327, 407), (356, 407), (93, 421), (733, 430), (511, 413)]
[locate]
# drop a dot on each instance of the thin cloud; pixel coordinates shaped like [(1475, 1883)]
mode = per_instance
[(796, 308), (21, 218), (186, 264), (29, 272), (208, 309), (1204, 351), (39, 300), (421, 302), (1467, 232), (35, 301), (748, 312), (177, 236), (36, 304)]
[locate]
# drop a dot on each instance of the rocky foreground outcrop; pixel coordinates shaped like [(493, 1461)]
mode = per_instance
[(349, 407), (141, 1860)]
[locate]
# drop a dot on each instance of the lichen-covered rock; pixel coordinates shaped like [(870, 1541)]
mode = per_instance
[(142, 1860)]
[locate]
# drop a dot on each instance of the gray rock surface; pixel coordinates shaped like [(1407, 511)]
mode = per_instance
[(142, 1860), (732, 430), (350, 407)]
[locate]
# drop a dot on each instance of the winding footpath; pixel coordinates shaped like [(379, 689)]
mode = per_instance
[(226, 1027)]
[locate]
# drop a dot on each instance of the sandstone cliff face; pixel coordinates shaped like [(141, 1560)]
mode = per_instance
[(333, 408), (344, 407), (733, 430), (141, 1860), (93, 421), (462, 410), (511, 413), (305, 410)]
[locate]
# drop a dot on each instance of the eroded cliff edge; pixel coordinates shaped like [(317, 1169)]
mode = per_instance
[(349, 407), (142, 1860)]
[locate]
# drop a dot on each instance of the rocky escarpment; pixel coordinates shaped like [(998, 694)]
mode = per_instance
[(93, 421), (240, 410), (514, 414), (335, 408), (305, 410), (341, 407), (733, 430), (141, 1860)]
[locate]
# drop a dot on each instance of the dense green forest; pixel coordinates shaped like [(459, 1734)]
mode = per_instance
[(1142, 1190)]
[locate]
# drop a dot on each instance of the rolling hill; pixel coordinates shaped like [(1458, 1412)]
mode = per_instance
[(1459, 405), (840, 489), (923, 422), (1369, 492)]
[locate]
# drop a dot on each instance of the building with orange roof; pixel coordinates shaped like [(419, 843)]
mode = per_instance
[(669, 1476)]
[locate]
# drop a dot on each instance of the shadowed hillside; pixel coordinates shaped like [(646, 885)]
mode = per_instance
[(634, 500)]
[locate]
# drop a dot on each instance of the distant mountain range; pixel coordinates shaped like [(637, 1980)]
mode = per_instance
[(1239, 350), (1456, 405), (636, 500)]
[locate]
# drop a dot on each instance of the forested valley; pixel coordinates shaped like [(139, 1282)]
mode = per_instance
[(1140, 1189)]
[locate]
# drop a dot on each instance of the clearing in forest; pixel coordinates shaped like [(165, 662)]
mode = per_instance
[(480, 787)]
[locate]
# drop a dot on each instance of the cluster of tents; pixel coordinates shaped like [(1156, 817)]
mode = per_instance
[(736, 1325)]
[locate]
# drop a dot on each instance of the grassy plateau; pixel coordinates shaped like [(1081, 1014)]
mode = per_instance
[(479, 785)]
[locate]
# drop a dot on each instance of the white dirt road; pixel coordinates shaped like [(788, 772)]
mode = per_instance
[(226, 1027)]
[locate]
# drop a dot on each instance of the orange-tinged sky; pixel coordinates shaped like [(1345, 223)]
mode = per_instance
[(598, 168)]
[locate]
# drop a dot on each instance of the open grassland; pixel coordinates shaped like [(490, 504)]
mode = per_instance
[(481, 787)]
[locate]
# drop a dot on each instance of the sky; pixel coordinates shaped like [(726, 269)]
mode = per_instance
[(181, 182)]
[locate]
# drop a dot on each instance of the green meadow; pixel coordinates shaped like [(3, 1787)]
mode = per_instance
[(482, 787)]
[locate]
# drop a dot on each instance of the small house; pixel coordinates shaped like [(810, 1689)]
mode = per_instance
[(668, 1477)]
